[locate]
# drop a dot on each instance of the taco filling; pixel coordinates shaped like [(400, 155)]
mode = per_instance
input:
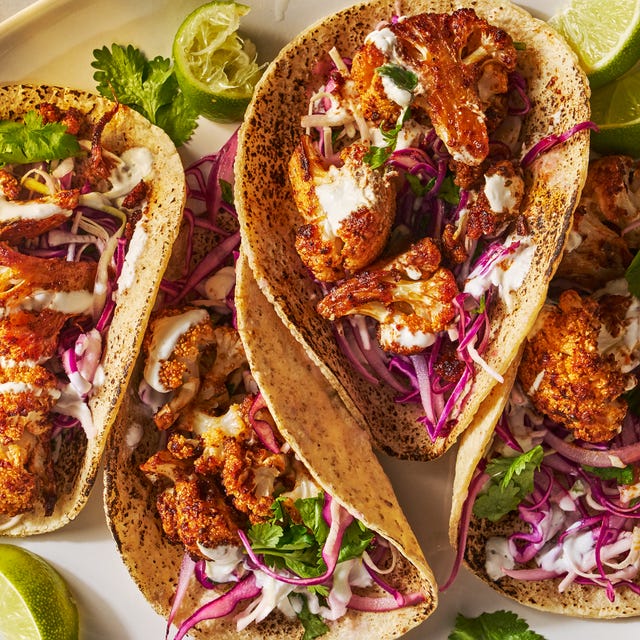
[(68, 208), (556, 496), (409, 179), (259, 533)]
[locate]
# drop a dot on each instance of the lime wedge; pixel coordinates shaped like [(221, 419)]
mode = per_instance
[(216, 69), (36, 602), (605, 36), (615, 108)]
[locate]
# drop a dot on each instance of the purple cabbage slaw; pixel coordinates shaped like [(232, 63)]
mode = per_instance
[(414, 378), (205, 204), (581, 525)]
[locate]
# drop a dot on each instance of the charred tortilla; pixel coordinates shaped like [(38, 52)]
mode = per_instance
[(149, 249), (559, 95), (320, 431)]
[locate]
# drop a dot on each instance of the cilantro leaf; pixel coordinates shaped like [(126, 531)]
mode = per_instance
[(313, 624), (511, 480), (34, 141), (622, 476), (149, 87), (401, 77), (284, 543), (377, 156), (498, 625)]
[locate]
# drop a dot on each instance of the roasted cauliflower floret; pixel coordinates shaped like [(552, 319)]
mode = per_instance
[(612, 192), (411, 297), (498, 201), (18, 489), (25, 405), (230, 357), (462, 64), (194, 511), (375, 104), (567, 376), (348, 210), (174, 345)]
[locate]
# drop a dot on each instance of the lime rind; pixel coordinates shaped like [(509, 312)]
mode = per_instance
[(606, 50), (36, 600), (216, 68)]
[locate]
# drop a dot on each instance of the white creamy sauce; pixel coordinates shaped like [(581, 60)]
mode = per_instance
[(384, 40), (403, 336), (497, 557), (410, 135), (13, 210), (342, 194), (136, 165), (72, 404), (167, 332), (507, 274), (501, 198), (73, 302), (136, 248), (566, 557), (535, 385), (395, 93), (222, 561)]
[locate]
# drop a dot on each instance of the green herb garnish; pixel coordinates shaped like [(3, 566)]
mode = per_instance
[(511, 480), (149, 87), (34, 141), (497, 625)]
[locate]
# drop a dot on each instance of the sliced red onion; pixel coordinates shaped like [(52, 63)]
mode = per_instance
[(550, 141), (388, 603), (222, 606), (262, 428), (186, 570), (338, 520), (476, 485), (591, 457), (214, 259)]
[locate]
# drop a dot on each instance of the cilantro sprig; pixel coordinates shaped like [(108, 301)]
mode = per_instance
[(377, 156), (511, 480), (148, 86), (403, 78), (284, 543), (496, 625), (34, 141)]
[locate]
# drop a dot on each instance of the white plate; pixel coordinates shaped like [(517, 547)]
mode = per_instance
[(52, 41)]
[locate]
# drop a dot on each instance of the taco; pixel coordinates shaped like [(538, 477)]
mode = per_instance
[(231, 496), (91, 199), (545, 504), (405, 194)]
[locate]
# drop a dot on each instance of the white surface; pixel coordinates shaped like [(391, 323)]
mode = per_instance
[(52, 41)]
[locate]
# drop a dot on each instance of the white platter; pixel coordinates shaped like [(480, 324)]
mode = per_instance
[(52, 41)]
